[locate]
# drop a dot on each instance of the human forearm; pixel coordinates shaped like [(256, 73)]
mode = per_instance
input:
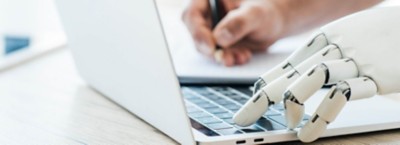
[(301, 15)]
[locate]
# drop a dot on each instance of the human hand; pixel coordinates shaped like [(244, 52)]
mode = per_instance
[(359, 60), (249, 26)]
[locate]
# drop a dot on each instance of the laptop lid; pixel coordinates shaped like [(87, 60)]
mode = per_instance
[(120, 49)]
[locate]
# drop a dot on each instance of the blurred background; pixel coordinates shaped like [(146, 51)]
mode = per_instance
[(32, 28), (28, 29)]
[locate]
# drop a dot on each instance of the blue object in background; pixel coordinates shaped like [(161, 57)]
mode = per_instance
[(15, 43)]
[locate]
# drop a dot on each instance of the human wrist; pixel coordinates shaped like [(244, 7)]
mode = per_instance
[(282, 24)]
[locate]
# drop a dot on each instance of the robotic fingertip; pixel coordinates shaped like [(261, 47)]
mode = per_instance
[(241, 119), (312, 130), (252, 110), (294, 110)]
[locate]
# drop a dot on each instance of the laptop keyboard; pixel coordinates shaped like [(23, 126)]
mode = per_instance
[(211, 110)]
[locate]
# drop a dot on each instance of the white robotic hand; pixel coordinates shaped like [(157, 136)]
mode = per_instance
[(357, 54)]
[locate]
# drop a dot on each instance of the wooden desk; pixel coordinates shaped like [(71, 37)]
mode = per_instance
[(46, 102)]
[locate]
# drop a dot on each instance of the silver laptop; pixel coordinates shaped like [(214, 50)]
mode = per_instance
[(120, 50)]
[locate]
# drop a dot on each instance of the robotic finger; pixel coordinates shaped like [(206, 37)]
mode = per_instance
[(272, 93), (329, 72), (333, 103), (315, 45)]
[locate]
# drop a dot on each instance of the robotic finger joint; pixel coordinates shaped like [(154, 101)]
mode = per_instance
[(292, 74), (313, 40), (332, 47), (345, 89)]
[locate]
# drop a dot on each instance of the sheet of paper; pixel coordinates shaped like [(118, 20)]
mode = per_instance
[(193, 67)]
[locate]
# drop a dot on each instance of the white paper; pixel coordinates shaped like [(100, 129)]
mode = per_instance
[(192, 66)]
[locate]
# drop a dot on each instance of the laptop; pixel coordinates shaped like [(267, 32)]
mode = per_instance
[(120, 50)]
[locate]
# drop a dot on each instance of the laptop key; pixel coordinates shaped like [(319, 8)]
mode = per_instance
[(217, 126), (206, 105), (216, 110), (197, 101), (198, 89), (205, 93), (279, 119), (229, 121), (214, 97), (190, 96), (209, 120), (269, 125), (251, 129), (219, 89), (224, 115), (239, 99), (199, 115), (232, 107), (227, 93), (222, 102), (244, 90), (272, 113), (229, 131), (235, 97), (244, 101)]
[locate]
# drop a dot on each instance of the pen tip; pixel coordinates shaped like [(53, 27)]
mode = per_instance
[(218, 56)]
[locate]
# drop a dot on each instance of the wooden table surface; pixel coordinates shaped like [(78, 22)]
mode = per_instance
[(46, 102)]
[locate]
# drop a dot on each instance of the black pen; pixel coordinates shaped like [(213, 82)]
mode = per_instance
[(215, 7), (216, 17)]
